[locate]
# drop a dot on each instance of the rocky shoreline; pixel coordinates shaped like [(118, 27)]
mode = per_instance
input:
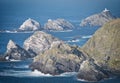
[(98, 59)]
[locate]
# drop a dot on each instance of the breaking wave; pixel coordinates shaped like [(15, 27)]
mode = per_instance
[(8, 31), (61, 31)]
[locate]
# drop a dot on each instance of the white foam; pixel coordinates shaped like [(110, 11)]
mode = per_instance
[(62, 31), (7, 31), (76, 40), (89, 36), (14, 60), (38, 73), (66, 74)]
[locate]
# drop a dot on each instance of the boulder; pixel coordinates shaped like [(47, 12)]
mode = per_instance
[(58, 25), (98, 19), (15, 52), (30, 25)]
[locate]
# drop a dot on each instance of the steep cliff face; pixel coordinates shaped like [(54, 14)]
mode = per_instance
[(30, 25), (104, 46), (98, 19), (58, 25), (15, 52)]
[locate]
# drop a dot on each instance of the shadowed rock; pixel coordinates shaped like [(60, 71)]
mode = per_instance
[(15, 52)]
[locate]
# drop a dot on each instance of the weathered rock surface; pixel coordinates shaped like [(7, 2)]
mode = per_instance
[(98, 19), (30, 25), (98, 59), (15, 52), (104, 47), (58, 25), (39, 42), (58, 59), (91, 72)]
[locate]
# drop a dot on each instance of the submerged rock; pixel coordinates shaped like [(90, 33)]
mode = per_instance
[(58, 25), (30, 25), (98, 19), (15, 52), (39, 42), (104, 47)]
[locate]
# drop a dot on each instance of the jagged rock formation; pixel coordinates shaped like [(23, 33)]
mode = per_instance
[(58, 59), (99, 58), (39, 42), (91, 72), (15, 52), (98, 19), (104, 46), (58, 25), (30, 25)]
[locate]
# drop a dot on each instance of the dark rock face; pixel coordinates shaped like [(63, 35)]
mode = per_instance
[(104, 46), (98, 19), (58, 59), (2, 58), (39, 42), (58, 25), (15, 52), (30, 25)]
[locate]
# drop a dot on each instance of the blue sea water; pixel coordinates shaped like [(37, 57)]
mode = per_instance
[(14, 12)]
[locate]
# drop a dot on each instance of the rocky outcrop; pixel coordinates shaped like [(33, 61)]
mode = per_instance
[(15, 52), (58, 25), (58, 59), (2, 58), (91, 72), (104, 47), (98, 19), (39, 42), (30, 25), (98, 59)]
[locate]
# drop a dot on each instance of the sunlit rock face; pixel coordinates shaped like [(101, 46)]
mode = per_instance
[(98, 19), (60, 58), (30, 25), (39, 42), (58, 25), (15, 52), (104, 46), (98, 59)]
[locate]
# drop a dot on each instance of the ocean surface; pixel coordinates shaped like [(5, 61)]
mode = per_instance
[(14, 12)]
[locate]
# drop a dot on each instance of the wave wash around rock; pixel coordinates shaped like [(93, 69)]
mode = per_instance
[(98, 59)]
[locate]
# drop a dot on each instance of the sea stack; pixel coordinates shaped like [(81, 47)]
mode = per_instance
[(15, 52), (30, 25), (58, 25), (39, 42), (98, 19)]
